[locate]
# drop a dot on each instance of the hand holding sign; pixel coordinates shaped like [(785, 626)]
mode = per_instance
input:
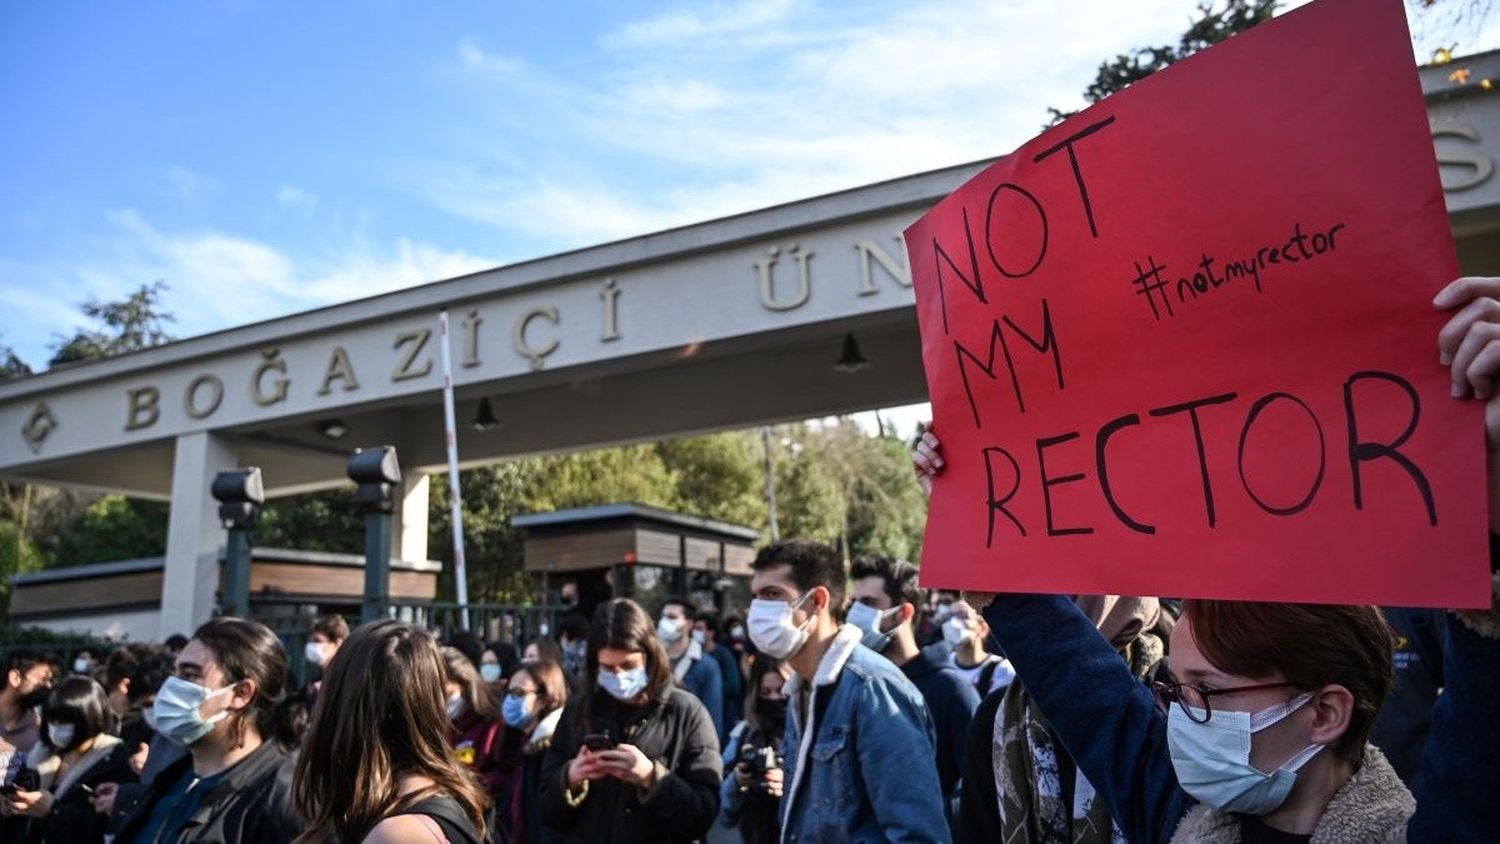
[(1469, 345), (1176, 345)]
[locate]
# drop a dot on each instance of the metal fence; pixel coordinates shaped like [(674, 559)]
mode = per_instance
[(292, 622)]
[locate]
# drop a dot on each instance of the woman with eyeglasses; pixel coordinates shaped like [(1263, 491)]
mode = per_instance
[(634, 758), (1264, 734), (531, 708)]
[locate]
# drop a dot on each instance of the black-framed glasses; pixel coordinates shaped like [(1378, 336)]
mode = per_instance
[(1194, 699)]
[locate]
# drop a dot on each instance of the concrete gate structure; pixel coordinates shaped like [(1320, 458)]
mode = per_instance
[(724, 324)]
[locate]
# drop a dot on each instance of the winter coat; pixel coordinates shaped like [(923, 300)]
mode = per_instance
[(673, 730), (251, 804)]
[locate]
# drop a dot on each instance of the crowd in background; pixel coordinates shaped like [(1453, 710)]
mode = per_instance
[(846, 703), (842, 704)]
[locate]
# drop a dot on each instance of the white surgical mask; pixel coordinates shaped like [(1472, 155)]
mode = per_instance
[(700, 637), (81, 666), (737, 631), (772, 630), (669, 630), (869, 619), (314, 652), (1212, 760), (489, 671), (623, 685), (956, 632), (176, 710), (61, 735)]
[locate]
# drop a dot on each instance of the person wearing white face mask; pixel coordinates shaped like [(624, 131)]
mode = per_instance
[(75, 755), (323, 641), (691, 666), (222, 704), (884, 601), (634, 758), (965, 633), (859, 741)]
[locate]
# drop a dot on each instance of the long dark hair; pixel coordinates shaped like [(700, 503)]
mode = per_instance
[(248, 650), (623, 625), (379, 717)]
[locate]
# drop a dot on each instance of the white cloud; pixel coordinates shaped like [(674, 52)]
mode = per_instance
[(297, 197), (707, 111), (215, 280), (188, 185)]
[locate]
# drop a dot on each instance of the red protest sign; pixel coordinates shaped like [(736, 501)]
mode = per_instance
[(1183, 344)]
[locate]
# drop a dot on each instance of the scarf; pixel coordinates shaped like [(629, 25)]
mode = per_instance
[(1031, 766)]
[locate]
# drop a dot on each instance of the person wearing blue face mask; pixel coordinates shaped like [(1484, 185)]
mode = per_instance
[(222, 704), (1265, 736), (884, 597), (532, 708), (634, 757)]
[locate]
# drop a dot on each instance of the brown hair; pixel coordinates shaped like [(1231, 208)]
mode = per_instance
[(334, 627), (759, 668), (622, 624), (475, 691), (1307, 645), (248, 650), (552, 685), (379, 716)]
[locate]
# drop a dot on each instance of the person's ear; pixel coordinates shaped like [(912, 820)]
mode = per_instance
[(13, 679), (1333, 709), (243, 694), (822, 599)]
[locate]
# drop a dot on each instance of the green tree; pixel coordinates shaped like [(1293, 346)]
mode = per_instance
[(114, 528), (314, 521), (129, 325), (719, 476), (11, 365), (1212, 26)]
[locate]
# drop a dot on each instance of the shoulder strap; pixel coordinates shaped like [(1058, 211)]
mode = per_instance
[(986, 677), (447, 815)]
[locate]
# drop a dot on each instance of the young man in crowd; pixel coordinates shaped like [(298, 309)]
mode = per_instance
[(572, 637), (706, 634), (694, 670), (885, 597), (859, 741), (234, 786), (966, 632), (118, 666), (27, 682), (328, 633)]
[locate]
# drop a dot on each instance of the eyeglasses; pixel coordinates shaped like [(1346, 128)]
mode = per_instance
[(519, 692), (1194, 699)]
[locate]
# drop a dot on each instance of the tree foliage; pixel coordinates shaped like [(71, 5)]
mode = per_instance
[(1211, 26), (134, 323)]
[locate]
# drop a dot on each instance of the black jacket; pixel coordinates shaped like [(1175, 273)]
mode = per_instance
[(252, 804), (73, 819), (675, 730)]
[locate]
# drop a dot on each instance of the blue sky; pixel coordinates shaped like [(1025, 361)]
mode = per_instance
[(268, 157)]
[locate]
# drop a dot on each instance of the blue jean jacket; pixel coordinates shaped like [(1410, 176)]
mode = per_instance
[(869, 774)]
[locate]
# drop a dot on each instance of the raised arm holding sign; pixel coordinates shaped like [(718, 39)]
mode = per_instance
[(1253, 409), (1171, 345)]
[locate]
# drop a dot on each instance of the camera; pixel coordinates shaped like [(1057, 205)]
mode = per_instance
[(758, 760)]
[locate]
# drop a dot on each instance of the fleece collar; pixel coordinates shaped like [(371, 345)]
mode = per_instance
[(1373, 806), (831, 666)]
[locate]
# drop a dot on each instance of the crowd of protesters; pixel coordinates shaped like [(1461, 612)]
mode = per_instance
[(843, 703)]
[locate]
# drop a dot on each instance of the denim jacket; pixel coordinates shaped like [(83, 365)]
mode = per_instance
[(869, 773)]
